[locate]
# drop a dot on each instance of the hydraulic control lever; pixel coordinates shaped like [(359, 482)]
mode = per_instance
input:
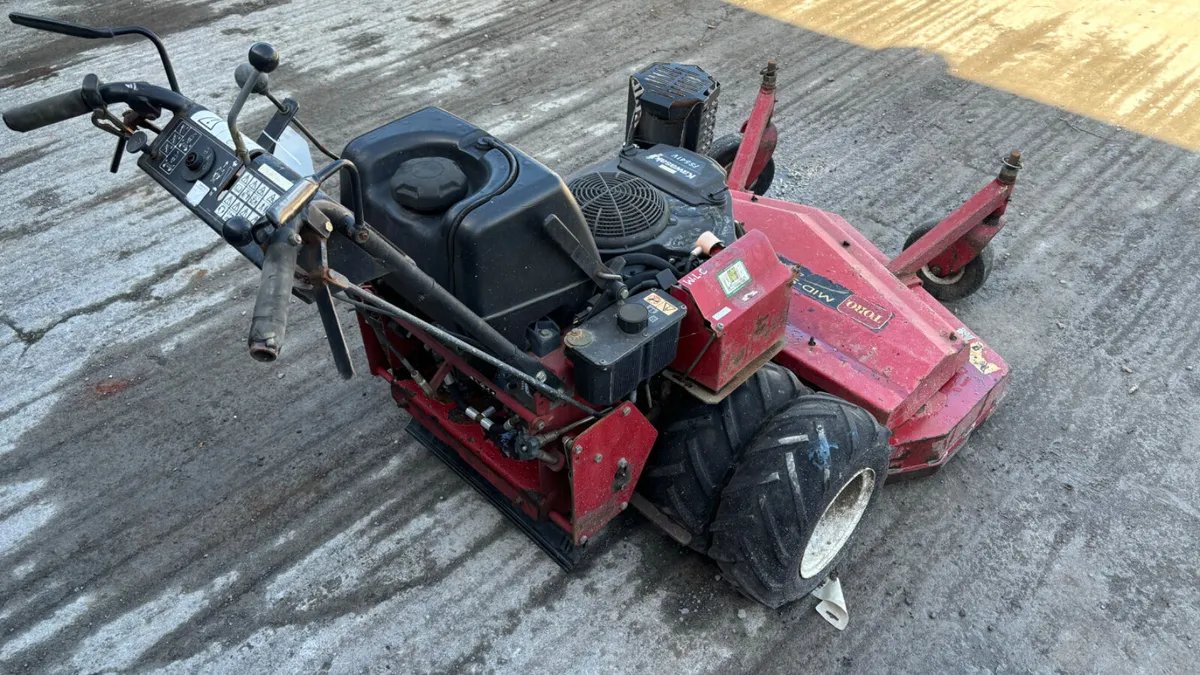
[(263, 59), (285, 113)]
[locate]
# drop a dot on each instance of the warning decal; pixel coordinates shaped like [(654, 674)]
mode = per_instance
[(838, 297), (980, 361), (657, 302), (734, 278)]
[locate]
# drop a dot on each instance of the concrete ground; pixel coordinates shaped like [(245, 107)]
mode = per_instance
[(169, 505)]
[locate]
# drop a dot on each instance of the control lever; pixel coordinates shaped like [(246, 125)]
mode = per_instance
[(237, 232), (285, 111), (315, 260), (263, 59), (122, 142), (284, 116), (140, 142), (245, 72), (89, 33)]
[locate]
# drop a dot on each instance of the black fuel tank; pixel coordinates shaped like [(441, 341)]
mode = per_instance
[(426, 181)]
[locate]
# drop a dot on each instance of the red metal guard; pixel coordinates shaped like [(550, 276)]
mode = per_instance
[(759, 136)]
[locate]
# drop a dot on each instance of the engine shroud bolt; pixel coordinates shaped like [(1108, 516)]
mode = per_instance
[(578, 449), (598, 458)]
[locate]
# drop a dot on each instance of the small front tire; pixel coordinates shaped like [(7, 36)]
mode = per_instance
[(724, 151), (963, 282)]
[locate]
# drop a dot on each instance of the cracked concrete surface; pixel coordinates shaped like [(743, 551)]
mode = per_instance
[(167, 504)]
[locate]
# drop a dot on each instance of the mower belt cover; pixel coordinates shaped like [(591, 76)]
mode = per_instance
[(737, 308), (606, 462)]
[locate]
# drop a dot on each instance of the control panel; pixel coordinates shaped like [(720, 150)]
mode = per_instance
[(201, 170)]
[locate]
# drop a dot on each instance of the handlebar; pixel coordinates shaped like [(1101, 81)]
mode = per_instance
[(137, 95), (47, 111), (269, 323)]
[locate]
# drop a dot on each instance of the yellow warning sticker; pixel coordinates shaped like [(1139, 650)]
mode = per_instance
[(977, 359), (657, 302)]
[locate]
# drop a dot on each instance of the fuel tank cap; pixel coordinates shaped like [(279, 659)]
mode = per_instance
[(429, 184)]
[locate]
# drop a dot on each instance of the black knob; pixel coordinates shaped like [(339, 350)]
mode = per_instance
[(242, 74), (139, 142), (633, 318), (263, 57), (237, 231)]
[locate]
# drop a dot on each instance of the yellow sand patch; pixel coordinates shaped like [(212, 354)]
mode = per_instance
[(1133, 63)]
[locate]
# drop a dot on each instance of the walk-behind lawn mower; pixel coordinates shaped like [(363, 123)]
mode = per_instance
[(653, 332)]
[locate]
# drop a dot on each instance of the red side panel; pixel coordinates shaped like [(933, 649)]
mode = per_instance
[(736, 310), (606, 462), (854, 330)]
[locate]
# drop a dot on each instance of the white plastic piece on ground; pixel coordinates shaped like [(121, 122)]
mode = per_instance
[(831, 603)]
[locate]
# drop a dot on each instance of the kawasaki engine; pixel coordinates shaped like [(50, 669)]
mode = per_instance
[(661, 192), (656, 200)]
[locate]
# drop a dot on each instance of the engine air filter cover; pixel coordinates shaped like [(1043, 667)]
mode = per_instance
[(621, 210), (672, 103)]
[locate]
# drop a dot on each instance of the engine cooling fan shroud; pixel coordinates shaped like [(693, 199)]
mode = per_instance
[(621, 210)]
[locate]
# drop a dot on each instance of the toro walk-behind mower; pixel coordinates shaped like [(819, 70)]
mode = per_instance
[(652, 332)]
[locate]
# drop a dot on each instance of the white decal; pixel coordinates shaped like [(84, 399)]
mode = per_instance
[(275, 177), (669, 166), (199, 191), (218, 127)]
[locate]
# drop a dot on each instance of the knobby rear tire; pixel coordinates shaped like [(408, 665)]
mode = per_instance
[(699, 444), (818, 448)]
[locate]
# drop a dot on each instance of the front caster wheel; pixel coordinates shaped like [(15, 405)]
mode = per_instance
[(797, 497), (960, 284), (724, 150)]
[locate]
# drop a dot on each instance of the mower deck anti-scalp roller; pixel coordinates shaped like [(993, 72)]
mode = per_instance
[(651, 331)]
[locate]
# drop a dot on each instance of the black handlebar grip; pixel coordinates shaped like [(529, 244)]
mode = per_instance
[(46, 111), (269, 323)]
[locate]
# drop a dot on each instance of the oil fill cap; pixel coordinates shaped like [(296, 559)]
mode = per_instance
[(429, 184), (633, 318)]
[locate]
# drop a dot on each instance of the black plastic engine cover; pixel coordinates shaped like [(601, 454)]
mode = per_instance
[(498, 260), (656, 200)]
